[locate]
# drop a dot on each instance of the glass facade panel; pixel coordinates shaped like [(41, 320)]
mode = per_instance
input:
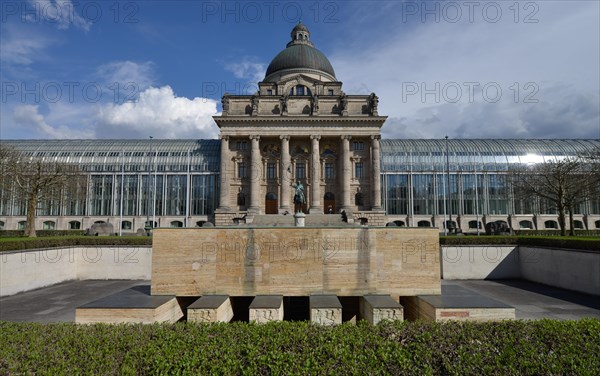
[(472, 194), (101, 195), (423, 194), (128, 184), (176, 194), (497, 194), (204, 197), (397, 194)]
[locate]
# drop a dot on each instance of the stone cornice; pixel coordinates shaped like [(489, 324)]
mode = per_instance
[(280, 120)]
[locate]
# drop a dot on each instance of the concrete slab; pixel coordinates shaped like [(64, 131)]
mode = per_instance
[(531, 300), (210, 308), (133, 305), (376, 308), (325, 309), (265, 308), (63, 299), (456, 303)]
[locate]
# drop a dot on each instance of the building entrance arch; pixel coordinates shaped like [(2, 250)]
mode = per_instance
[(271, 203), (329, 203)]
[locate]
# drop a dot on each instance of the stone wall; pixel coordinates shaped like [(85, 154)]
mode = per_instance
[(27, 270), (295, 262)]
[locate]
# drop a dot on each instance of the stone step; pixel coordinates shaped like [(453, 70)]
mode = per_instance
[(210, 308), (456, 303), (266, 308), (375, 308), (325, 309), (311, 220), (134, 305)]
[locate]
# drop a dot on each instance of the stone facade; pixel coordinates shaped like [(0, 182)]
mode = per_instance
[(342, 261), (300, 127)]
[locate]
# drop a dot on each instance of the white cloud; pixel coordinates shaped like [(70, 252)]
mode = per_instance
[(158, 113), (161, 114), (28, 117), (141, 75), (59, 12), (560, 55), (248, 69), (19, 46)]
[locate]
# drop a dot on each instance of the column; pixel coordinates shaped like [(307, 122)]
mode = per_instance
[(285, 175), (315, 193), (224, 195), (376, 176), (346, 173), (255, 175)]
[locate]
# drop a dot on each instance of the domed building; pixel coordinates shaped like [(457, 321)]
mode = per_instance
[(299, 133), (300, 129)]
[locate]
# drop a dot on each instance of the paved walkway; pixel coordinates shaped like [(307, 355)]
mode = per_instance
[(57, 303), (531, 300), (534, 300)]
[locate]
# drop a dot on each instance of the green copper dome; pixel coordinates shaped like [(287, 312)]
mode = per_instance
[(300, 54)]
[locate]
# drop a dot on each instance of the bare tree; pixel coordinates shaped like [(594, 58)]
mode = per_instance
[(35, 180), (565, 183)]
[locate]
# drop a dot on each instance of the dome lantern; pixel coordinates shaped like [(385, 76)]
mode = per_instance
[(300, 55)]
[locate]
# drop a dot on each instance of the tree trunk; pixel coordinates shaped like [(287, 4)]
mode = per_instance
[(561, 220), (571, 223), (31, 214)]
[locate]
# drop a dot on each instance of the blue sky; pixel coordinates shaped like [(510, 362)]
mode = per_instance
[(133, 69)]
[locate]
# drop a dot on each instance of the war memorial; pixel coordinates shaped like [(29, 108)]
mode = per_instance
[(300, 215)]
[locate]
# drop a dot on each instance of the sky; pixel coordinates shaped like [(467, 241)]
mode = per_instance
[(463, 69)]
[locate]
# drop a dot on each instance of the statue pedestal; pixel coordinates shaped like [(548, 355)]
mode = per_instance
[(299, 219)]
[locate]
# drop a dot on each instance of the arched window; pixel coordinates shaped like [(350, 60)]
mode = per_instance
[(597, 223), (424, 224), (551, 224), (126, 225), (363, 221), (176, 224), (271, 196), (49, 225), (578, 225), (148, 224), (527, 225), (21, 225), (2, 225), (200, 223), (329, 196), (99, 222), (399, 223), (74, 225), (450, 224), (475, 224)]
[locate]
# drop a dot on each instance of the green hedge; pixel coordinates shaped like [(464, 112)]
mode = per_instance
[(40, 233), (13, 244), (590, 244), (555, 232), (502, 348)]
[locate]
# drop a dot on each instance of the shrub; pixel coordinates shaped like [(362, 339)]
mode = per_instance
[(499, 348), (14, 244), (590, 244), (40, 233)]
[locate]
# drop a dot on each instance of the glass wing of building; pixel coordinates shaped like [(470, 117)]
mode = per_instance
[(465, 181), (176, 182)]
